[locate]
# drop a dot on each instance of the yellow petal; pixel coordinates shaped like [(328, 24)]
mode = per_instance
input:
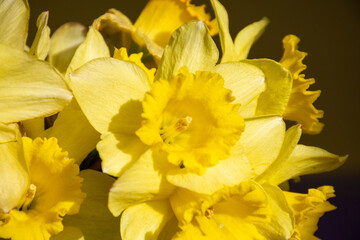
[(118, 151), (159, 19), (93, 47), (41, 44), (74, 132), (192, 46), (247, 37), (272, 174), (308, 208), (64, 43), (103, 85), (14, 171), (262, 140), (282, 217), (145, 220), (24, 96), (94, 218), (14, 23), (244, 80), (116, 28), (278, 80), (300, 107), (227, 45), (308, 160), (34, 127), (8, 132), (296, 160), (142, 182), (228, 172), (121, 147)]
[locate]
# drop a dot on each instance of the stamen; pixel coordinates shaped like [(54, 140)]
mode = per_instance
[(30, 194), (209, 212), (172, 131)]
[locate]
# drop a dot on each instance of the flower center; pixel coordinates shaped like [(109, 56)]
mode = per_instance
[(192, 119), (169, 133)]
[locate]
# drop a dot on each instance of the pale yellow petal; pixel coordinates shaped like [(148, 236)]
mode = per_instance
[(306, 160), (244, 80), (272, 174), (41, 44), (94, 219), (282, 217), (228, 172), (93, 47), (142, 182), (34, 127), (14, 16), (278, 81), (262, 141), (122, 147), (159, 19), (190, 45), (145, 220), (103, 85), (74, 132), (119, 151), (64, 43), (29, 87), (227, 44), (8, 132), (14, 172), (69, 233), (248, 36)]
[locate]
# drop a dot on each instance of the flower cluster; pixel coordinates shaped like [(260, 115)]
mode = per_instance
[(191, 145)]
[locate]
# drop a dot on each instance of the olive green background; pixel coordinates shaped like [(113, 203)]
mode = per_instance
[(330, 33)]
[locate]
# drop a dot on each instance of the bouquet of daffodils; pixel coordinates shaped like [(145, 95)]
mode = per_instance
[(175, 138)]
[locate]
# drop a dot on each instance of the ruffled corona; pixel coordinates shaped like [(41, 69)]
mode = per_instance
[(240, 212), (192, 119), (300, 106), (308, 208), (54, 191)]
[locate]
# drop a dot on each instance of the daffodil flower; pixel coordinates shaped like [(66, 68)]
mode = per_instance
[(29, 87), (292, 100), (40, 189), (155, 25)]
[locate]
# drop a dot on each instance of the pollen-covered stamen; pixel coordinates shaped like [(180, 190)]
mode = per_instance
[(209, 212), (29, 196), (169, 133)]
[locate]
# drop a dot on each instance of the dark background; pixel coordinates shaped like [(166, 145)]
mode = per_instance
[(330, 32)]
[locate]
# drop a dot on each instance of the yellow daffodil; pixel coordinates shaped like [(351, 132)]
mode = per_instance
[(294, 102), (40, 189), (29, 87), (153, 28), (183, 129)]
